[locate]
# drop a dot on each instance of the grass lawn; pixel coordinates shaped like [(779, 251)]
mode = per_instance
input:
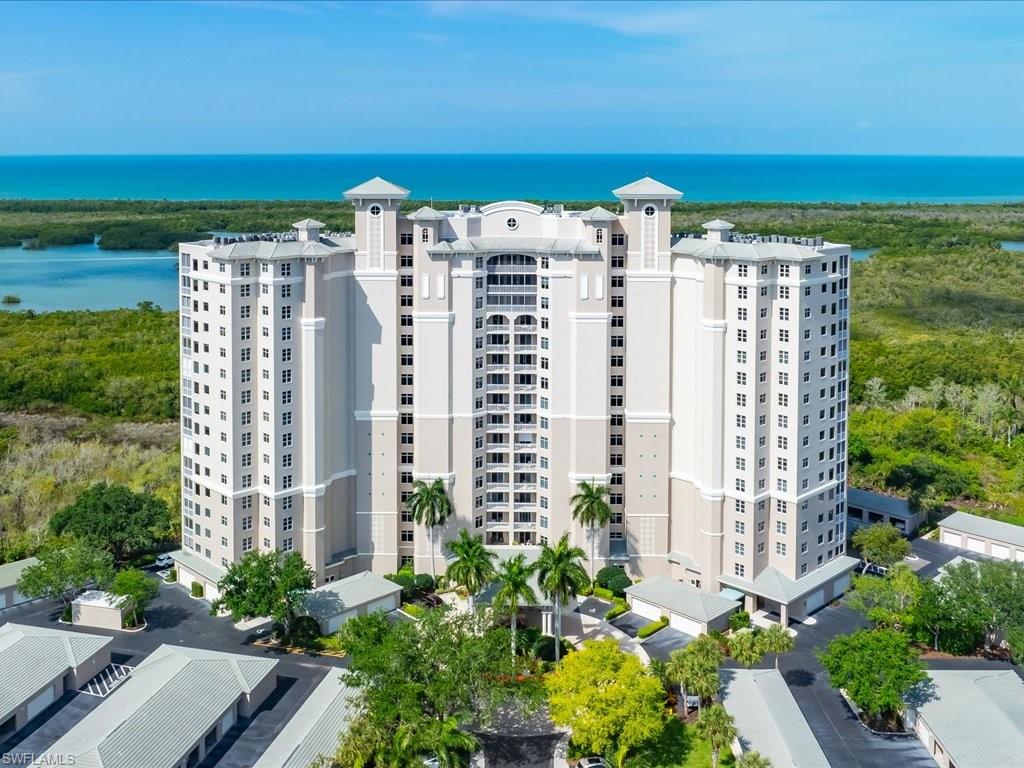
[(678, 747)]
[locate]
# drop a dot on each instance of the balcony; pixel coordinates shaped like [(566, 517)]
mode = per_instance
[(526, 348)]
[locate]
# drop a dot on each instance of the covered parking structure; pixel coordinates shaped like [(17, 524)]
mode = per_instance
[(774, 592), (177, 704), (38, 664), (338, 601), (10, 573), (315, 730), (768, 719), (689, 609), (983, 535), (870, 508)]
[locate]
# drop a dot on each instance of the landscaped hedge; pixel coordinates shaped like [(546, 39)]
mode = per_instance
[(604, 594), (197, 589), (653, 627), (414, 609), (620, 607)]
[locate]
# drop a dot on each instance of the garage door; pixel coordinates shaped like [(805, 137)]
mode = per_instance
[(815, 600), (842, 584), (952, 538), (3, 600), (384, 604), (646, 610), (40, 702), (334, 623), (998, 550), (1020, 555), (184, 578), (227, 721), (976, 545), (683, 624), (212, 593)]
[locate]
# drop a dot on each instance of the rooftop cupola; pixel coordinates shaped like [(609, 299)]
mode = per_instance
[(718, 231), (308, 230)]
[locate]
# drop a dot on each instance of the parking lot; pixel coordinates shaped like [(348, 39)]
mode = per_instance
[(175, 618)]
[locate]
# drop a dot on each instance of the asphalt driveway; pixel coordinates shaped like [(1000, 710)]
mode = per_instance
[(661, 644), (630, 623)]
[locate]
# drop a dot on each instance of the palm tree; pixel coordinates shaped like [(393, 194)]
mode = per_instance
[(560, 576), (473, 566), (589, 508), (695, 668), (703, 681), (745, 646), (679, 670), (776, 639), (513, 576), (430, 506), (717, 727), (451, 747), (707, 651), (753, 760)]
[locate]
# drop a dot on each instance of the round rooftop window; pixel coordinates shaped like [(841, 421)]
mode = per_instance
[(511, 222), (375, 210), (649, 211)]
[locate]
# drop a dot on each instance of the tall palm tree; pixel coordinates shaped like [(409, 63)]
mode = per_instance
[(473, 566), (590, 508), (444, 741), (746, 648), (560, 576), (776, 639), (430, 507), (514, 589), (717, 727), (753, 759)]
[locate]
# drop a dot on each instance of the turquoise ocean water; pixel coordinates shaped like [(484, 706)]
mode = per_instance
[(491, 177), (84, 277)]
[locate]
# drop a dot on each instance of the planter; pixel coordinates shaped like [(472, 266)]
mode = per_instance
[(139, 628), (860, 719)]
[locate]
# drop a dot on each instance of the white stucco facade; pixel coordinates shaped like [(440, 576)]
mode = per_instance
[(514, 351)]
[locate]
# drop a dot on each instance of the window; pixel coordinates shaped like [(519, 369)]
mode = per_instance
[(739, 569), (618, 238), (405, 238), (511, 222), (649, 211), (599, 236), (375, 210)]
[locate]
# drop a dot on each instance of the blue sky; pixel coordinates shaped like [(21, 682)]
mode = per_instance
[(294, 76)]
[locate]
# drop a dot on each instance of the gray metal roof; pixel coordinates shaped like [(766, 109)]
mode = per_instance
[(683, 559), (775, 585), (171, 701), (684, 599), (718, 225), (376, 187), (975, 714), (11, 572), (768, 719), (32, 657), (985, 526), (647, 187), (597, 213), (481, 245), (309, 224), (270, 249), (878, 502), (348, 593), (756, 251), (198, 565), (426, 213), (316, 728)]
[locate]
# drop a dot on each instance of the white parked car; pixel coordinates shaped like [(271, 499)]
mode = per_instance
[(164, 561), (431, 762), (592, 762)]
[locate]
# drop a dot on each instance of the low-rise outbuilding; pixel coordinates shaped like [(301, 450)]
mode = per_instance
[(865, 507), (316, 729), (983, 535), (970, 718), (38, 664), (338, 601), (170, 713), (10, 573), (768, 719), (689, 609), (98, 609)]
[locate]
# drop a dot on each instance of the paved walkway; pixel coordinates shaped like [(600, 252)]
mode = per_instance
[(586, 622)]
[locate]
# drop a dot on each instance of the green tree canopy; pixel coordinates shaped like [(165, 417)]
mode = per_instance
[(560, 576), (746, 648), (265, 584), (776, 640), (115, 518), (880, 544), (514, 589), (876, 668), (888, 601), (65, 568), (473, 566), (430, 507), (716, 725), (612, 704), (138, 590)]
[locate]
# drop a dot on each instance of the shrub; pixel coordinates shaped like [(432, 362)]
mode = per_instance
[(605, 574), (653, 627), (604, 594), (423, 582), (198, 589), (305, 630), (620, 607), (544, 648), (617, 584), (414, 609), (739, 620), (172, 576), (613, 580), (406, 581)]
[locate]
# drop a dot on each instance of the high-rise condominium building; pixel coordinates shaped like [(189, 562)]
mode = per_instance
[(514, 351)]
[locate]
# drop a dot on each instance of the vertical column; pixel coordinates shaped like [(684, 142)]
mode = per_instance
[(311, 323), (713, 327)]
